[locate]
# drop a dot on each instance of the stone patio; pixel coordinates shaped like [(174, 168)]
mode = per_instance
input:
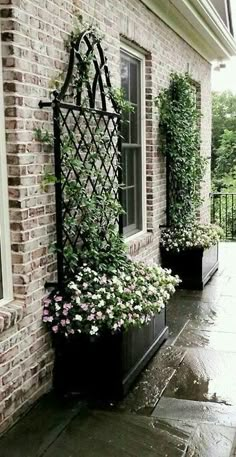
[(183, 405)]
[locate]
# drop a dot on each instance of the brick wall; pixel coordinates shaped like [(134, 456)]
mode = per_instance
[(32, 44)]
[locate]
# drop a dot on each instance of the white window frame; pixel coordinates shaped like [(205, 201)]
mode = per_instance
[(134, 52), (5, 243)]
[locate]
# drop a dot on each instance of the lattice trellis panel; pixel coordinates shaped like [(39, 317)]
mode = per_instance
[(86, 147)]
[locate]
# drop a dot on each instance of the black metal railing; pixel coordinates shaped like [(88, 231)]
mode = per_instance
[(223, 212)]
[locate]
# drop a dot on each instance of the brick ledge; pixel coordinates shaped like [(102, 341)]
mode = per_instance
[(139, 243), (10, 314)]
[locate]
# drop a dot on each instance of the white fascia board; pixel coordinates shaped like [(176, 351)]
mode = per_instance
[(198, 23)]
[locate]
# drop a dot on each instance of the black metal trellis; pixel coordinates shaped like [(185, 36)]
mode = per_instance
[(87, 118)]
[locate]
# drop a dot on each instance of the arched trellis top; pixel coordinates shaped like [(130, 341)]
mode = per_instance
[(85, 51), (87, 145)]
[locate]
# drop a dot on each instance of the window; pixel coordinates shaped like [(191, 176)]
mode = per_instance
[(5, 251), (133, 166)]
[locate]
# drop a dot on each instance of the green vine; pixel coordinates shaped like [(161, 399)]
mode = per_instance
[(179, 126), (96, 213)]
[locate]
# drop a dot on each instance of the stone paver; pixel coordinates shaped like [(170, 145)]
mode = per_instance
[(109, 434), (183, 404)]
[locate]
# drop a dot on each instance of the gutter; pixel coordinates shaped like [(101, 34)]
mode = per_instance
[(198, 23)]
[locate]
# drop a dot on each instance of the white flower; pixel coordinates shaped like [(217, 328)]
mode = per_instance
[(78, 318), (77, 300), (101, 304), (115, 280), (94, 330), (138, 307), (72, 286)]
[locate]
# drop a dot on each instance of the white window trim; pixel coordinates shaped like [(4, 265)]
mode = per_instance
[(134, 52), (4, 208)]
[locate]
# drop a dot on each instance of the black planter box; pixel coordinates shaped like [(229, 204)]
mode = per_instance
[(195, 267), (104, 367)]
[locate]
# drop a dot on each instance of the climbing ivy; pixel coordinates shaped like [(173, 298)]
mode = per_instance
[(180, 142), (96, 213)]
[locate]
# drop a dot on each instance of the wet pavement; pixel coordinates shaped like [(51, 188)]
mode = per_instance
[(183, 404)]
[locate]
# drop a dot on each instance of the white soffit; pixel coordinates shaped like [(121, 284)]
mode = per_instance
[(199, 24)]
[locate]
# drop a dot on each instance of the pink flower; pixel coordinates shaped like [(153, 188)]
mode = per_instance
[(45, 312), (58, 298), (46, 302), (65, 312), (84, 306), (45, 318), (67, 321), (126, 290), (99, 315), (63, 322), (55, 328), (91, 317), (67, 306)]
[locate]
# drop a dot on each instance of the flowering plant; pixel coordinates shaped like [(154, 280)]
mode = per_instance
[(96, 301), (195, 236)]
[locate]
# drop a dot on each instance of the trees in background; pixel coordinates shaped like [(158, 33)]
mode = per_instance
[(224, 141)]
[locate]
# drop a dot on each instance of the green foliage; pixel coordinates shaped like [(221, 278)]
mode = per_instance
[(80, 26), (101, 245), (43, 136), (226, 154), (123, 105), (108, 289), (223, 118), (223, 142), (96, 213), (179, 125)]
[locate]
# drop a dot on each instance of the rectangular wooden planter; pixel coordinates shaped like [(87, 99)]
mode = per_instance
[(195, 266), (104, 367)]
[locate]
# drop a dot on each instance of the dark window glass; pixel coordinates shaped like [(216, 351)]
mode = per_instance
[(131, 146)]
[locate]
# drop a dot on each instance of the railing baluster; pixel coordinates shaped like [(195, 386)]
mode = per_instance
[(223, 212), (213, 209)]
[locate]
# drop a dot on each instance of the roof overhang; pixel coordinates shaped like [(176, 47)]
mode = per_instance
[(199, 24)]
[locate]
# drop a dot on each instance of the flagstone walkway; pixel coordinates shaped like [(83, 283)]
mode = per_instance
[(183, 405)]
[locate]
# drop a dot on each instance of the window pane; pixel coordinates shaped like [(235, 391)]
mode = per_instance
[(131, 206), (124, 204), (134, 126), (125, 76), (125, 122), (134, 67), (132, 155), (130, 167), (123, 165)]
